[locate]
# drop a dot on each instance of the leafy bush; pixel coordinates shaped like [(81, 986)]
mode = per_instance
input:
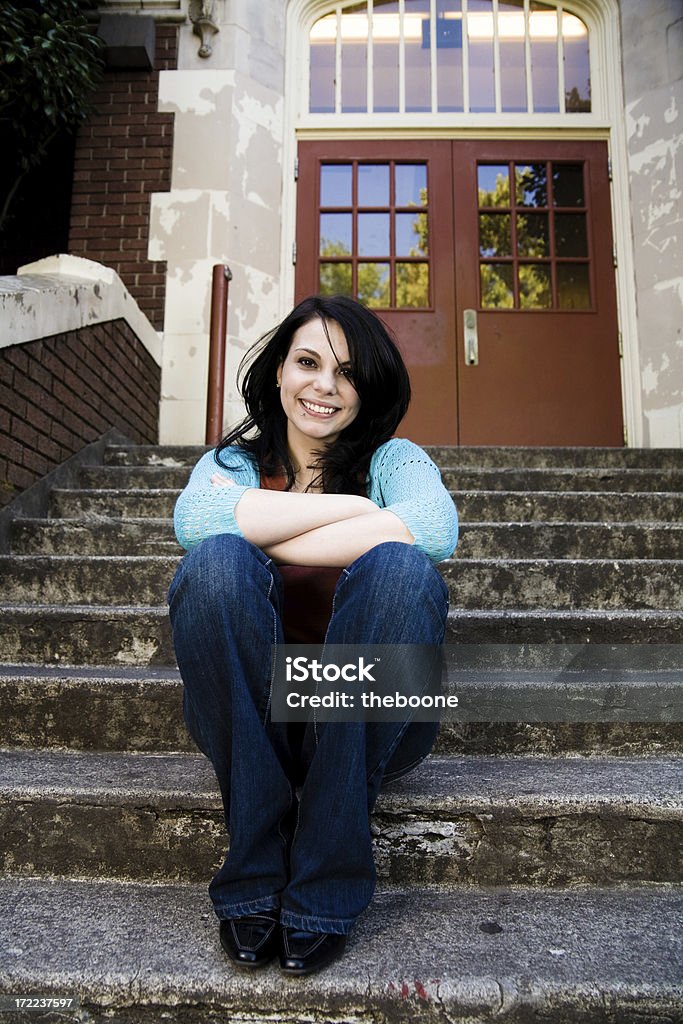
[(50, 63)]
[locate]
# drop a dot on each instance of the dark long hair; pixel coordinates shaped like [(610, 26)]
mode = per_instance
[(378, 375)]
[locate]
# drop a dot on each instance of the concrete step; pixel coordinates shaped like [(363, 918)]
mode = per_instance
[(482, 506), (570, 540), (461, 479), (549, 458), (139, 954), (153, 455), (477, 540), (445, 456), (93, 635), (574, 507), (102, 537), (514, 583), (471, 820), (134, 709)]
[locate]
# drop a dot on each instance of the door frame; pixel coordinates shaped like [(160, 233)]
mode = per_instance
[(607, 122)]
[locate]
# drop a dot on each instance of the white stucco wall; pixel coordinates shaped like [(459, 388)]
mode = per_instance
[(652, 40), (224, 205)]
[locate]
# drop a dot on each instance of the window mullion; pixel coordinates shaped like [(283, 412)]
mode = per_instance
[(496, 59), (465, 60), (527, 59)]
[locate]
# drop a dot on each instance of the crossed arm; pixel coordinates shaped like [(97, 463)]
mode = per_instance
[(313, 529)]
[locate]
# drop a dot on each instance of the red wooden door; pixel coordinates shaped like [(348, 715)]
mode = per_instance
[(492, 264), (534, 268)]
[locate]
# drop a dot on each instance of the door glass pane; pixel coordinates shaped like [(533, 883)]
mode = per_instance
[(354, 60), (449, 54), (573, 286), (336, 184), (336, 234), (511, 35), (493, 182), (373, 234), (577, 85), (568, 185), (496, 286), (323, 59), (570, 234), (336, 279), (531, 186), (412, 285), (373, 185), (544, 76), (385, 36), (373, 284), (535, 290), (532, 234), (495, 237), (411, 234), (411, 184), (417, 56)]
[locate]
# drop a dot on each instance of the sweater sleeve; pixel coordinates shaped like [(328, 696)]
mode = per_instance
[(404, 480), (203, 510)]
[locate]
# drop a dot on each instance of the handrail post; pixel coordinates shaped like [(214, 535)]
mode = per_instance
[(216, 383)]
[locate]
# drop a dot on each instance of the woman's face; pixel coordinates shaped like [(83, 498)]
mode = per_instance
[(316, 387)]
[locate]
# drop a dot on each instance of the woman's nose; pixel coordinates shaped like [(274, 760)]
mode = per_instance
[(326, 382)]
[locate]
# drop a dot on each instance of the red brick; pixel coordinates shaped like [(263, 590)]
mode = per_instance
[(24, 433), (19, 476), (36, 463)]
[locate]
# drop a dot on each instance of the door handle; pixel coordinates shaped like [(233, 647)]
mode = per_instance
[(471, 339)]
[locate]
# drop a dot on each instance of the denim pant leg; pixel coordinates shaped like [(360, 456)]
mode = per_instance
[(224, 607), (391, 595)]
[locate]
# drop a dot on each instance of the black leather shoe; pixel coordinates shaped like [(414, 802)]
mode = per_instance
[(251, 941), (305, 952)]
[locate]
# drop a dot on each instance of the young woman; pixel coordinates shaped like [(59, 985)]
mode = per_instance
[(309, 523)]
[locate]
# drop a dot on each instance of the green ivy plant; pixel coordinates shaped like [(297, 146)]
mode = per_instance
[(50, 64)]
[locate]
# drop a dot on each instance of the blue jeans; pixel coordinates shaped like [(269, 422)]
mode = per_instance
[(297, 799)]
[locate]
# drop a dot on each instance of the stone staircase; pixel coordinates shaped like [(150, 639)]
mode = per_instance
[(530, 870)]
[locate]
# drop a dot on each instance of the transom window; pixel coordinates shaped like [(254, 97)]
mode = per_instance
[(440, 56), (374, 233)]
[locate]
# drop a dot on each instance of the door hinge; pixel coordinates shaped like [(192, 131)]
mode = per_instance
[(615, 261), (621, 344), (296, 168), (625, 434), (609, 168), (293, 252)]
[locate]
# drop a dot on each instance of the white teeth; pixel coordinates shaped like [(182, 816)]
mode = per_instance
[(324, 409)]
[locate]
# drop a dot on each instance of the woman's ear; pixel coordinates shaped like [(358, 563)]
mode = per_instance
[(278, 375)]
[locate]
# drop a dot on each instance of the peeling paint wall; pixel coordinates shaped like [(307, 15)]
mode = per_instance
[(652, 40), (224, 205)]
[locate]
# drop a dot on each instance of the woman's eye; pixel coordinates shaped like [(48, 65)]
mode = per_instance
[(347, 372), (305, 361)]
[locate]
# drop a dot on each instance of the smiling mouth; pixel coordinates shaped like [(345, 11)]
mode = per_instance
[(318, 410)]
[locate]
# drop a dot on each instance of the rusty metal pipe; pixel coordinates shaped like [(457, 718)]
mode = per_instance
[(217, 340)]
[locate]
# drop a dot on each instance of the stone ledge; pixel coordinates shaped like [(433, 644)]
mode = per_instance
[(66, 293)]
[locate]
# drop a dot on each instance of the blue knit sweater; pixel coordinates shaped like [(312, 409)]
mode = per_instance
[(402, 478)]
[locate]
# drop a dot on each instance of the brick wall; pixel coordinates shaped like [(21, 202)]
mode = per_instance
[(60, 393), (123, 154)]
